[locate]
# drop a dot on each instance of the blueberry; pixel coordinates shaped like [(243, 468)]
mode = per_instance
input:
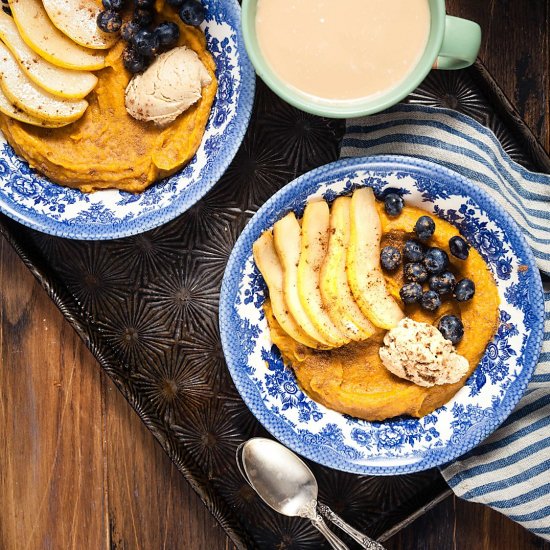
[(393, 204), (465, 290), (145, 4), (128, 30), (430, 300), (443, 284), (146, 43), (115, 5), (436, 260), (451, 328), (379, 194), (424, 228), (390, 258), (143, 17), (416, 273), (175, 3), (133, 61), (109, 21), (192, 13), (411, 293), (459, 247), (168, 34), (413, 251)]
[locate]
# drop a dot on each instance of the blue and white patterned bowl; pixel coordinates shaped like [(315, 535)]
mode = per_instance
[(33, 200), (400, 445)]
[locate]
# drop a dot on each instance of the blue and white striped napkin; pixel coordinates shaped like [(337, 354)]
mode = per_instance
[(509, 471)]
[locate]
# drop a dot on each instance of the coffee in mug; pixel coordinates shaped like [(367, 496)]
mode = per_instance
[(344, 49)]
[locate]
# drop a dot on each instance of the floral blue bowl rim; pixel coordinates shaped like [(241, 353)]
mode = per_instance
[(36, 202), (402, 445)]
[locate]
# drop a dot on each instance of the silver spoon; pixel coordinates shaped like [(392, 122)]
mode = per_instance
[(284, 482)]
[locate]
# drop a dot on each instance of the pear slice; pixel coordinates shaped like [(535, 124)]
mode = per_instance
[(315, 227), (363, 263), (25, 94), (335, 290), (40, 34), (56, 80), (78, 20), (270, 267), (9, 109), (287, 238)]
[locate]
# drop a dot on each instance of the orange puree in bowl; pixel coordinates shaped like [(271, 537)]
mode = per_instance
[(107, 148), (352, 379)]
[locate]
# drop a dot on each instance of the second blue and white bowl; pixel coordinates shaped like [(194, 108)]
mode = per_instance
[(36, 202), (399, 445)]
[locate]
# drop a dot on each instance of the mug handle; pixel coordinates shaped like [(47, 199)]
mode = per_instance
[(461, 44)]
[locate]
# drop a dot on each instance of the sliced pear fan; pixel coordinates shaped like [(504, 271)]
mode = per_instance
[(40, 34), (7, 108), (270, 267), (287, 238), (77, 19), (315, 227), (26, 95), (337, 296), (56, 80), (363, 263)]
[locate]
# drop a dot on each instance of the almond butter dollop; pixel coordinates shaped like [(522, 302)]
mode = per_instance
[(418, 352), (171, 85)]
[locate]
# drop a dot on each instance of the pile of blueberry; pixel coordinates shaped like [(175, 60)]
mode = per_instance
[(428, 265), (144, 41)]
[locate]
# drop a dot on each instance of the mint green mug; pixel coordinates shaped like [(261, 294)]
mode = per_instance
[(453, 43)]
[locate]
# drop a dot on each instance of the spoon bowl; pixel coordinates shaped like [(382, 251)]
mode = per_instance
[(280, 478)]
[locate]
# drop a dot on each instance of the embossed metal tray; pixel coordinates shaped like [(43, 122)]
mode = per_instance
[(147, 308)]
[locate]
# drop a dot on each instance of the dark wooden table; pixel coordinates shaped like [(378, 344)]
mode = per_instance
[(78, 469)]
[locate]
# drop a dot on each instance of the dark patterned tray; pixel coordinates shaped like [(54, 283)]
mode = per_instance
[(147, 308)]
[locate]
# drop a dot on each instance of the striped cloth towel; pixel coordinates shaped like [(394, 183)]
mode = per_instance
[(509, 471)]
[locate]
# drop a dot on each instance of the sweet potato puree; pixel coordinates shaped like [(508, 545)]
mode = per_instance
[(107, 148), (352, 379)]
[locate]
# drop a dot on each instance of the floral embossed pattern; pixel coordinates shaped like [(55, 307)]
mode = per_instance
[(403, 444), (35, 201)]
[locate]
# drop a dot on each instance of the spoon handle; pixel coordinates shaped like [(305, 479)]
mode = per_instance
[(319, 524), (356, 535)]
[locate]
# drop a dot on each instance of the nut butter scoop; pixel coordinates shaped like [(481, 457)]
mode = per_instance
[(171, 85), (418, 352)]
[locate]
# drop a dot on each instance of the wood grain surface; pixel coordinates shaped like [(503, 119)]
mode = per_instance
[(78, 469)]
